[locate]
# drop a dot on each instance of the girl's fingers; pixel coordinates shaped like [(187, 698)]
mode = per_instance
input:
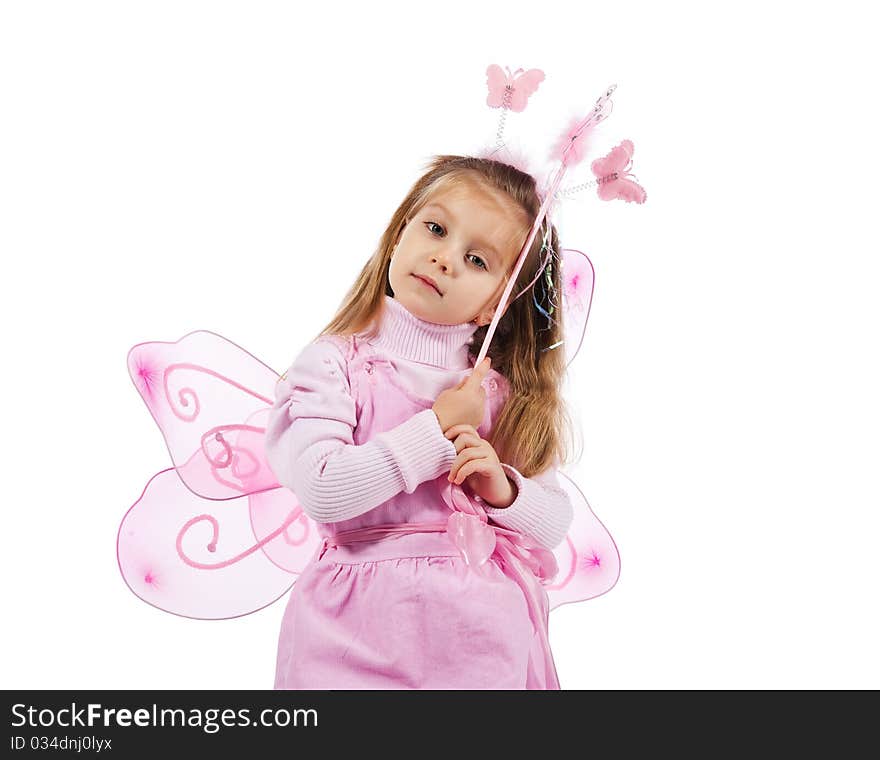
[(456, 429), (469, 468), (471, 452), (466, 440)]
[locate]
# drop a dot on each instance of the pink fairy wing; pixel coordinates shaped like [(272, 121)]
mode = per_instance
[(212, 559), (588, 560), (210, 398), (577, 277)]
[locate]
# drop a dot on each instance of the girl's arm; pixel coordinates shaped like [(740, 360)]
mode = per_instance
[(310, 445), (541, 508)]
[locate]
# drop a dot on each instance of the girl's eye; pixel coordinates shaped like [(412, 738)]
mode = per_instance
[(482, 263)]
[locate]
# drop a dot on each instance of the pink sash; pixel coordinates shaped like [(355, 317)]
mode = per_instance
[(520, 557)]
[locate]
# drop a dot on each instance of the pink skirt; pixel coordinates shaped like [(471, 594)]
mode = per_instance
[(405, 613)]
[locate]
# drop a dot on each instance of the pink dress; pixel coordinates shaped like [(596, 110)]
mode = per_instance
[(402, 612)]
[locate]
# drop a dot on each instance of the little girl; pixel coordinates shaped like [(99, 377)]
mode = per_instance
[(378, 417)]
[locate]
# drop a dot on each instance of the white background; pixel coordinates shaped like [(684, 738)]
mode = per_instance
[(173, 166)]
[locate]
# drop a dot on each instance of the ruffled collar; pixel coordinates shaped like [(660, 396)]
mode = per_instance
[(409, 337)]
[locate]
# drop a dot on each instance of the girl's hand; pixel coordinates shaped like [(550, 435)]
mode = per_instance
[(464, 404), (478, 463)]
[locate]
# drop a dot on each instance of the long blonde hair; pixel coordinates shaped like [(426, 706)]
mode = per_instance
[(528, 433)]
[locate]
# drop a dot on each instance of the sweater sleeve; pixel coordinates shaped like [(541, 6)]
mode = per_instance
[(310, 446), (542, 509)]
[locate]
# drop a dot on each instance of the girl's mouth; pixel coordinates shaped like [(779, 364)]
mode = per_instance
[(426, 282)]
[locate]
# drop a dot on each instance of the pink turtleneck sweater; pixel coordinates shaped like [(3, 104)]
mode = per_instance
[(310, 448)]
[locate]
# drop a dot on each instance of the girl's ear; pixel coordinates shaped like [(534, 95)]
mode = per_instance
[(484, 317)]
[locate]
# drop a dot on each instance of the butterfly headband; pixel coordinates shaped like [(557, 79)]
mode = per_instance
[(511, 92)]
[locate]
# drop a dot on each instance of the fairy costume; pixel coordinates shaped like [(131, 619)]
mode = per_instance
[(218, 535), (402, 612)]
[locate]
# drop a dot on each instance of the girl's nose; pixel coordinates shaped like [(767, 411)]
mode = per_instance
[(443, 258)]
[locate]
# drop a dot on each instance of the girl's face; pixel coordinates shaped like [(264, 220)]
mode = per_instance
[(466, 243)]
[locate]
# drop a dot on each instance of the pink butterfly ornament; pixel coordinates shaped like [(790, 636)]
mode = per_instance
[(612, 171), (511, 91)]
